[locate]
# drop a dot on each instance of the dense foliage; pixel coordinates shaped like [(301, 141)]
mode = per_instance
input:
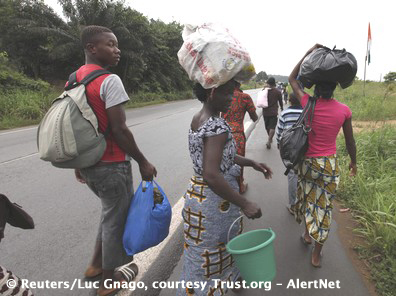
[(391, 76), (43, 45)]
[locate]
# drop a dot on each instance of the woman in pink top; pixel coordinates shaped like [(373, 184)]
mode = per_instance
[(319, 173)]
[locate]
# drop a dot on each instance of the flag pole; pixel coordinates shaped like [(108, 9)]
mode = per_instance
[(367, 59), (365, 63)]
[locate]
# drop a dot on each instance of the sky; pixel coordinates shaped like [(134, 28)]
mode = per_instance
[(278, 33)]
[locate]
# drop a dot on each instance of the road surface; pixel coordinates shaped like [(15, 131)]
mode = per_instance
[(66, 213)]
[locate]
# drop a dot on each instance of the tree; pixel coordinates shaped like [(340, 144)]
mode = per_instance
[(24, 31), (261, 76), (45, 46), (391, 76)]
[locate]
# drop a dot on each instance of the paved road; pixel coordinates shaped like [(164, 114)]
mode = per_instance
[(292, 257), (66, 213)]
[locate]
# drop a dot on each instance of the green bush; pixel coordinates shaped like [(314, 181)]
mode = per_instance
[(22, 107), (11, 79), (145, 98), (372, 195), (252, 85)]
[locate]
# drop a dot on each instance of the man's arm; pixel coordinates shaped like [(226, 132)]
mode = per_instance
[(124, 138), (280, 101), (293, 75)]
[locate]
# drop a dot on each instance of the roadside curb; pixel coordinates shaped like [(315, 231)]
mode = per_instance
[(157, 269), (250, 125)]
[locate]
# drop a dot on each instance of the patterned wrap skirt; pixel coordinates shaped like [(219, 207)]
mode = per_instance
[(318, 180), (240, 140), (207, 219)]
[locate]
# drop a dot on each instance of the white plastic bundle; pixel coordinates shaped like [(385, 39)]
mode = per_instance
[(212, 56)]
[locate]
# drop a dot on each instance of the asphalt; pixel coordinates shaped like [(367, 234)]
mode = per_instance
[(292, 257), (67, 213)]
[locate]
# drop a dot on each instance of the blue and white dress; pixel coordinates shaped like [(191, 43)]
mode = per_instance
[(208, 217)]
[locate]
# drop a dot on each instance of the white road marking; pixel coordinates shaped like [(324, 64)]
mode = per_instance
[(18, 131), (19, 158)]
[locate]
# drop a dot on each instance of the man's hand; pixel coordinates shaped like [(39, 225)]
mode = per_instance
[(252, 210), (147, 170), (262, 167), (79, 177), (352, 169)]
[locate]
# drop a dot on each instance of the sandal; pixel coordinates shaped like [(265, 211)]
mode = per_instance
[(127, 273), (304, 241)]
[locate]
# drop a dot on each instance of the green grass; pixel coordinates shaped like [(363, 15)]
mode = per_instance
[(26, 107), (251, 85), (379, 102), (372, 196)]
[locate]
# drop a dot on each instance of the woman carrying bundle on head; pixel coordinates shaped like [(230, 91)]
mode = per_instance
[(212, 201), (319, 174)]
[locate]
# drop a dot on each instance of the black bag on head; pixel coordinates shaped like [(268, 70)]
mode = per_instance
[(293, 143), (328, 65)]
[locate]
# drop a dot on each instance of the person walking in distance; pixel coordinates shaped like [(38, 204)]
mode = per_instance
[(111, 178), (286, 120), (241, 103), (285, 95), (270, 114)]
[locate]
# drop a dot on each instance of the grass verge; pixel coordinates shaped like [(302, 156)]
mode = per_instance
[(26, 107), (372, 195)]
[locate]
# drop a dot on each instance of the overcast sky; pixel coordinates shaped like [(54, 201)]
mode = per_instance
[(278, 33)]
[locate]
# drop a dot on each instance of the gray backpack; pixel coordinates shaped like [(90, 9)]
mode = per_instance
[(68, 136)]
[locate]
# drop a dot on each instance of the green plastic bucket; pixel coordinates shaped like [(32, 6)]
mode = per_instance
[(253, 253)]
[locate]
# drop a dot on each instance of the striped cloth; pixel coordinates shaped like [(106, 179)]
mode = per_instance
[(11, 285), (286, 120)]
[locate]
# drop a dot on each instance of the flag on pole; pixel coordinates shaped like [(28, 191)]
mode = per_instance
[(368, 45)]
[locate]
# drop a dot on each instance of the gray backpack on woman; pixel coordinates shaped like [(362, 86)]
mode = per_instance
[(68, 136), (293, 143)]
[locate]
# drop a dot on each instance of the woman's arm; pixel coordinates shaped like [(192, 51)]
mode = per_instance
[(261, 167), (253, 116), (293, 75), (212, 155), (350, 145)]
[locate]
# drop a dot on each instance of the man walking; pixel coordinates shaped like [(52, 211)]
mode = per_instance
[(287, 118), (111, 178), (270, 114)]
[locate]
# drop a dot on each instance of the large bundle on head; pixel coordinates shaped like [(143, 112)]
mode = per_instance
[(211, 56), (326, 65)]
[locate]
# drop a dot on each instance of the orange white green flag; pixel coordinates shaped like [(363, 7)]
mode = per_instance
[(368, 45)]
